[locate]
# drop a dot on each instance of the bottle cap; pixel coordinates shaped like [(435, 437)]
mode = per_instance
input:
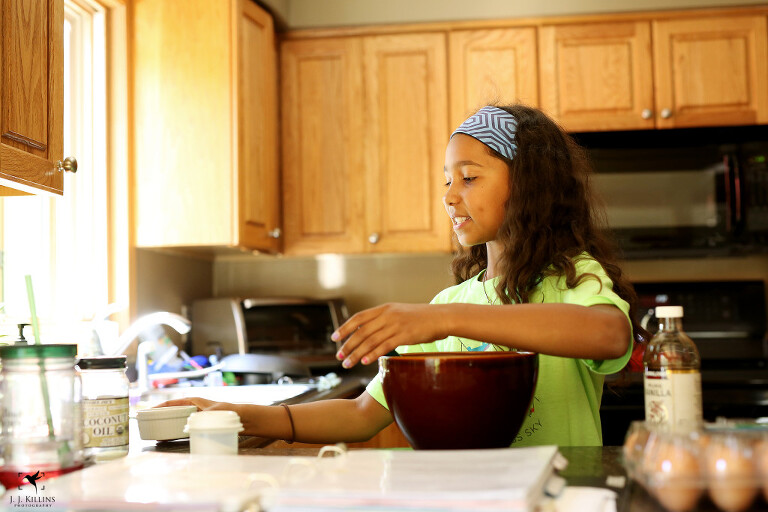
[(37, 351), (102, 363), (214, 420), (669, 311)]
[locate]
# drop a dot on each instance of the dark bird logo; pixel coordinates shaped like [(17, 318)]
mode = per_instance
[(34, 478)]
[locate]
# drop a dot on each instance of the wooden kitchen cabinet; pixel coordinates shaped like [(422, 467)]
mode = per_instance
[(597, 76), (711, 72), (364, 131), (491, 66), (31, 96), (205, 89), (665, 73)]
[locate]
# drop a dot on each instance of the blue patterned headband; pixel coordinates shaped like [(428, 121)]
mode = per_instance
[(493, 127)]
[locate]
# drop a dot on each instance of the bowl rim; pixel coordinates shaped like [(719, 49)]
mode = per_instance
[(454, 356)]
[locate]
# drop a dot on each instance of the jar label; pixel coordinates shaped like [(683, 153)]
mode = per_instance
[(673, 397), (105, 422)]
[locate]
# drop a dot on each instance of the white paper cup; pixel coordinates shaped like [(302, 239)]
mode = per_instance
[(213, 432)]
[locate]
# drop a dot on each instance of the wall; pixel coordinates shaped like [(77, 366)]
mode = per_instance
[(298, 14), (363, 280)]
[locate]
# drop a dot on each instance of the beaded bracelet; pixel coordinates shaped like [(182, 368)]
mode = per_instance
[(293, 429)]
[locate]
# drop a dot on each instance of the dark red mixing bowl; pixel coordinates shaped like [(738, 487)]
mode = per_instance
[(459, 400)]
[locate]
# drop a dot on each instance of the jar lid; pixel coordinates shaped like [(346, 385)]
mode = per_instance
[(669, 311), (102, 362), (214, 420), (166, 413), (28, 351)]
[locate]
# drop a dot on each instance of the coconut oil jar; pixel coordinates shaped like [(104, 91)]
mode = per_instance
[(105, 407)]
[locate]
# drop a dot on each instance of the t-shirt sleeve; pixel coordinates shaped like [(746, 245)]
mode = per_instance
[(592, 291)]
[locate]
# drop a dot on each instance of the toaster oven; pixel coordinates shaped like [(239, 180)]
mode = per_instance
[(299, 328)]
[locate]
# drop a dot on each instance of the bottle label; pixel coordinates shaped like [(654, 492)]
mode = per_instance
[(105, 422), (673, 397)]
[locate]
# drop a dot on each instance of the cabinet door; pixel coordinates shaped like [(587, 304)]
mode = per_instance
[(711, 71), (31, 95), (492, 66), (324, 129), (597, 76), (406, 132), (257, 142), (183, 110)]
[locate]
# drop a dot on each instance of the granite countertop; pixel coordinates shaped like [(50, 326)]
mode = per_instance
[(587, 466)]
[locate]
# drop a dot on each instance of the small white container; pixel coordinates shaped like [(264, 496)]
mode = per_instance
[(213, 432), (164, 423)]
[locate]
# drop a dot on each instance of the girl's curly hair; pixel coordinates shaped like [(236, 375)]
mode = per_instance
[(551, 217)]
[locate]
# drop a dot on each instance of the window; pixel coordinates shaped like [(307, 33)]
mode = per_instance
[(64, 243)]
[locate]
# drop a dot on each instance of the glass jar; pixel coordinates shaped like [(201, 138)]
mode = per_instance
[(40, 407), (105, 407)]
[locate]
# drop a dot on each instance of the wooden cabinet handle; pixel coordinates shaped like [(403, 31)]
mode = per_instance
[(68, 164), (274, 233), (666, 113), (646, 113), (373, 238)]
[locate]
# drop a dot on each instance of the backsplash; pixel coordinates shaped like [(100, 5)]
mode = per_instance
[(363, 280)]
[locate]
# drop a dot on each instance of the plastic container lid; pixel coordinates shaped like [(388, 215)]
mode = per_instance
[(669, 311), (166, 413), (214, 420), (102, 363), (28, 351)]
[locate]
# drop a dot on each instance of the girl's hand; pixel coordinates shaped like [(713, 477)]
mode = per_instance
[(377, 331), (202, 404)]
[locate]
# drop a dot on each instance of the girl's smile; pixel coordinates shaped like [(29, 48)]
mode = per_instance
[(477, 190)]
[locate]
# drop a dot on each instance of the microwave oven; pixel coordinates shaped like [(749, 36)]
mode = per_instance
[(687, 200), (296, 328)]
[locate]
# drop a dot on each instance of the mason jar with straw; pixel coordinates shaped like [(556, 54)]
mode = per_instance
[(40, 407)]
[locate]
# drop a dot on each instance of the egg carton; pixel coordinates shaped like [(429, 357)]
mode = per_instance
[(726, 461)]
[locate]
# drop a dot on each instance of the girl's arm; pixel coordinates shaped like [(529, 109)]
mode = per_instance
[(325, 421), (566, 330)]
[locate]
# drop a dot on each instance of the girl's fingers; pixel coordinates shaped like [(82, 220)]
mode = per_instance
[(360, 336), (367, 349)]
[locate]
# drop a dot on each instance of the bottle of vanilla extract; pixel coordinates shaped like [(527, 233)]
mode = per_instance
[(672, 379)]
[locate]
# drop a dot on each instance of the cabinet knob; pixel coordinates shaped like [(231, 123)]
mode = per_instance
[(373, 238), (274, 233), (646, 113), (68, 164), (666, 113)]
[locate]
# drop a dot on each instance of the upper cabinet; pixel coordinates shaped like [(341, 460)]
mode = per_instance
[(711, 72), (205, 110), (492, 66), (667, 73), (31, 96), (364, 132)]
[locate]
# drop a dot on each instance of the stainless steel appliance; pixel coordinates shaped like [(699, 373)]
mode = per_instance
[(727, 321), (296, 328), (683, 193)]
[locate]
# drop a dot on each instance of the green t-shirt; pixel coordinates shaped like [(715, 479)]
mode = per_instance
[(566, 403)]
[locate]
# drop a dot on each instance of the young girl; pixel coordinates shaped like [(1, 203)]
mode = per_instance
[(537, 274)]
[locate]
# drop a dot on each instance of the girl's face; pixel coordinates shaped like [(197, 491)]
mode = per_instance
[(477, 188)]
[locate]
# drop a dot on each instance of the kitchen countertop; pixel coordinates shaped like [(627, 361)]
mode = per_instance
[(587, 466)]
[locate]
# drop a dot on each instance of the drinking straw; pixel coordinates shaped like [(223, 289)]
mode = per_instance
[(43, 379)]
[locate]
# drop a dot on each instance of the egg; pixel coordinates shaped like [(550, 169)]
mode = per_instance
[(730, 473), (634, 446), (761, 464), (674, 474)]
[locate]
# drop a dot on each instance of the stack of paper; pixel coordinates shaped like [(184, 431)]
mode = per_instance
[(502, 479)]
